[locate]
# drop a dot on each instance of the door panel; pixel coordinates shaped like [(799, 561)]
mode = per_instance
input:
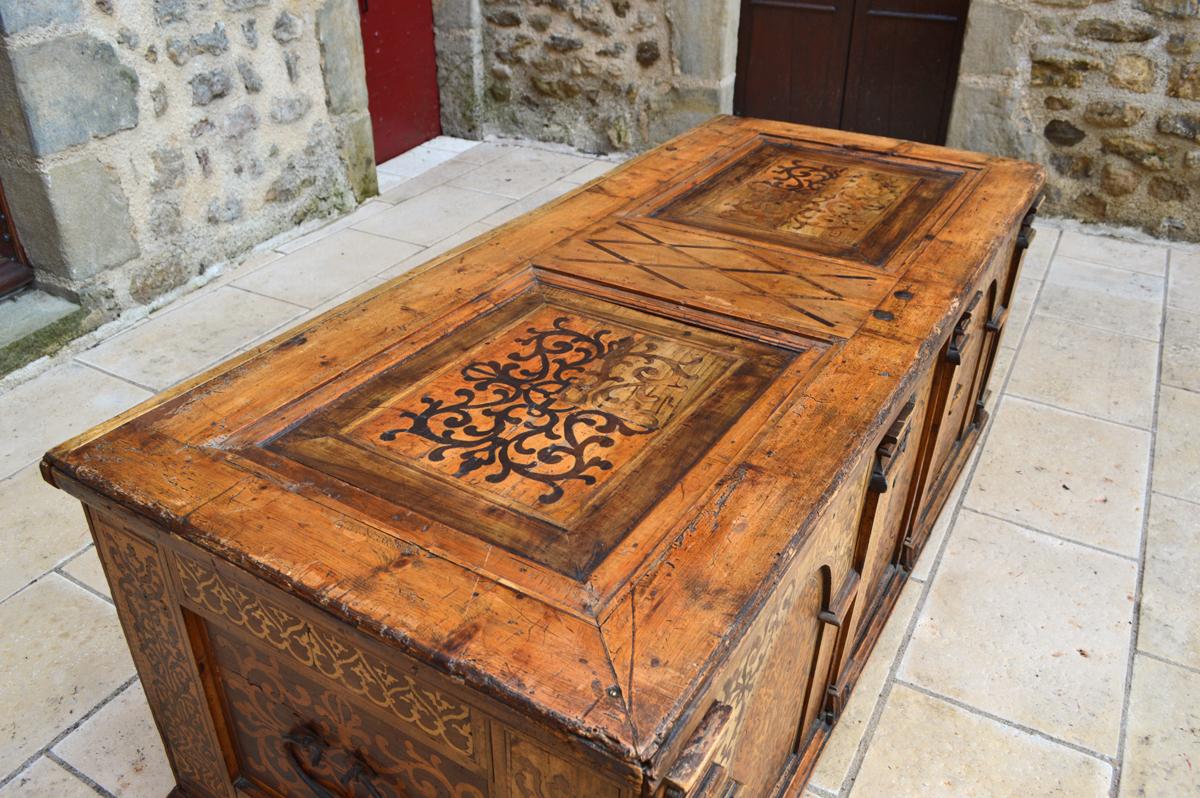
[(401, 74), (792, 60), (886, 67), (903, 66)]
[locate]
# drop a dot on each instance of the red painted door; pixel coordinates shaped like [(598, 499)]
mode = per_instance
[(401, 74)]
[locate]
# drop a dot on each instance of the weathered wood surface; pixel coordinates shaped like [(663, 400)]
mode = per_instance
[(611, 475)]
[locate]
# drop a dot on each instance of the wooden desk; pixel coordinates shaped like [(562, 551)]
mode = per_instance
[(612, 501)]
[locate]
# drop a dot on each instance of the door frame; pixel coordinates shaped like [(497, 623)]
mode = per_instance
[(14, 271)]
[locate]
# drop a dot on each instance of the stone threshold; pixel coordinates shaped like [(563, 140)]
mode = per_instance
[(34, 324)]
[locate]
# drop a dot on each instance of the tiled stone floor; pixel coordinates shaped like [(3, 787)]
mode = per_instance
[(1049, 644)]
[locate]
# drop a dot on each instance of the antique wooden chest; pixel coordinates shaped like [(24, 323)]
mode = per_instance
[(611, 501)]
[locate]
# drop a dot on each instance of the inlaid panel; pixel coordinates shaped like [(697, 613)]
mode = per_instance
[(555, 421), (541, 413), (759, 285), (141, 590), (422, 708), (851, 207), (298, 738)]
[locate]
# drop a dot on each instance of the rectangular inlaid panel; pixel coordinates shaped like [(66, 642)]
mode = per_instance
[(548, 426), (758, 285), (844, 205)]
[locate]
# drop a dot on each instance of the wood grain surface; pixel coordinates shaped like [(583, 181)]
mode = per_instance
[(667, 444)]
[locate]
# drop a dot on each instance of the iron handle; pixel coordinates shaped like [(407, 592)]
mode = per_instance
[(359, 774)]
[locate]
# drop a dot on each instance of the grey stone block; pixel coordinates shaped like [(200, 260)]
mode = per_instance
[(988, 47), (74, 220), (73, 89), (251, 80), (704, 37), (285, 110), (688, 107), (456, 14), (168, 11), (213, 42), (984, 120), (19, 15), (339, 35), (209, 86), (356, 143), (288, 27)]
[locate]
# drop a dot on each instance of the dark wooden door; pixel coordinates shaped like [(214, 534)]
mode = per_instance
[(401, 74), (874, 66), (792, 60)]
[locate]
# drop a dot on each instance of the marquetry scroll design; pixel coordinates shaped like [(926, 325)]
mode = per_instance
[(548, 411), (534, 772), (139, 589), (743, 680), (306, 741), (823, 201), (801, 176), (529, 781), (814, 199), (862, 198), (438, 715)]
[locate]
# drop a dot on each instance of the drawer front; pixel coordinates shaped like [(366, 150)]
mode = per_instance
[(294, 737), (340, 662), (959, 366), (774, 683), (889, 500)]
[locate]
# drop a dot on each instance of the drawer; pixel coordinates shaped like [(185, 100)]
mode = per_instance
[(383, 684), (959, 369), (295, 737), (889, 501)]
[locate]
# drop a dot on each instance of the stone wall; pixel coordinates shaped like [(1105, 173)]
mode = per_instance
[(144, 140), (1106, 93), (599, 75)]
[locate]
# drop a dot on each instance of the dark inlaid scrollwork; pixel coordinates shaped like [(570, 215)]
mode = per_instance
[(435, 713), (307, 752), (544, 413), (799, 175), (140, 593), (301, 739)]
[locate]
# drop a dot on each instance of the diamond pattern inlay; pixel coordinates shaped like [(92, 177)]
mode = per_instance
[(713, 274)]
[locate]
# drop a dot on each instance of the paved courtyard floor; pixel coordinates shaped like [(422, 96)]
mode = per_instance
[(1048, 644)]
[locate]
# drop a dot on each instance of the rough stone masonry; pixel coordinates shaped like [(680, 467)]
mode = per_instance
[(600, 75), (1106, 93), (142, 141)]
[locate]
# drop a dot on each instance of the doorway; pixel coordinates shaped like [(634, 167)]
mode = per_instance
[(401, 67), (886, 67), (14, 269)]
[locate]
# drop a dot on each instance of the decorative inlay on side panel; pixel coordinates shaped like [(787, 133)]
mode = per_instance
[(302, 739), (816, 199), (433, 712), (140, 593), (534, 772)]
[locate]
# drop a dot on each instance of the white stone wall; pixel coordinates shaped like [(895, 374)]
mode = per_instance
[(141, 141)]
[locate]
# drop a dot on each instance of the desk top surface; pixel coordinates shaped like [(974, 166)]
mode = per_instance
[(566, 460)]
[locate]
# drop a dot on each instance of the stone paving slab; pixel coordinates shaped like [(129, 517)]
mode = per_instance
[(1046, 645)]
